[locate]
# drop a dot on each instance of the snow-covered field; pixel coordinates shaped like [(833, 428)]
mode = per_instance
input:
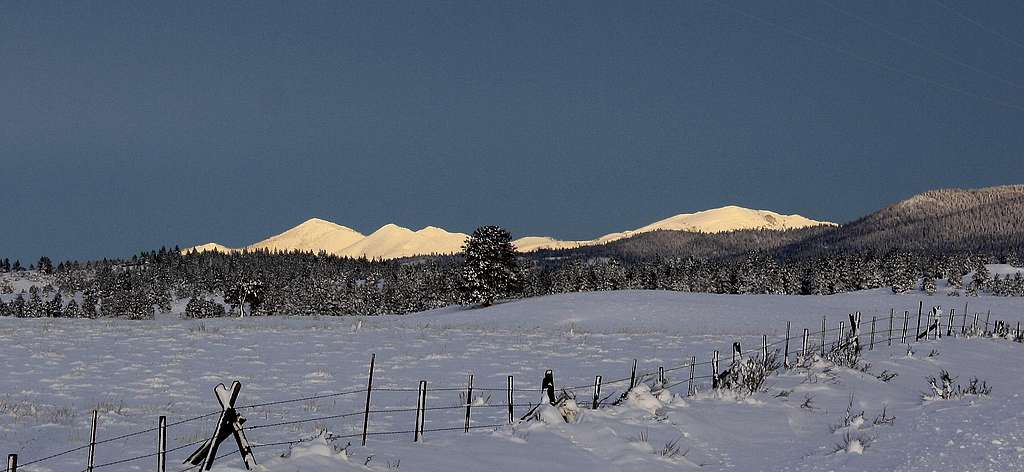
[(56, 371)]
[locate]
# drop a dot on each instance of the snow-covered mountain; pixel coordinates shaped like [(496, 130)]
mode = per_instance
[(718, 220), (392, 241)]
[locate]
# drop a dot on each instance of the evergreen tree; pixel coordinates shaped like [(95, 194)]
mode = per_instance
[(490, 270), (45, 265), (72, 310), (928, 285)]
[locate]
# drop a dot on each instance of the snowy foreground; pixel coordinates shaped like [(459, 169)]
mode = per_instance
[(57, 371)]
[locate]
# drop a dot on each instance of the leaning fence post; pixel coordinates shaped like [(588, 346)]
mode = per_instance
[(871, 344), (906, 321), (689, 383), (949, 327), (714, 369), (917, 333), (469, 400), (92, 442), (632, 376), (597, 392), (369, 388), (421, 404), (963, 325), (161, 445), (510, 390), (12, 463), (785, 361), (842, 331)]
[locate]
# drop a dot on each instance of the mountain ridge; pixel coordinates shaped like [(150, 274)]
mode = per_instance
[(391, 241)]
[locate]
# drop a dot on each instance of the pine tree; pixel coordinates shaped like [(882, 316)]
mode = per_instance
[(928, 285), (490, 270)]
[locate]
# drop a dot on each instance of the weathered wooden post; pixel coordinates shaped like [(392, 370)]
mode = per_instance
[(764, 349), (963, 325), (369, 388), (823, 325), (839, 336), (786, 355), (892, 314), (661, 376), (421, 405), (469, 400), (632, 376), (737, 354), (871, 344), (597, 392), (804, 347), (161, 445), (906, 321), (714, 370), (228, 424), (92, 442), (548, 386), (987, 315), (949, 326), (917, 333), (689, 383), (510, 390), (12, 463)]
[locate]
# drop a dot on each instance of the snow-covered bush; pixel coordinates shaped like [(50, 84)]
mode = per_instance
[(748, 376), (199, 307), (945, 387)]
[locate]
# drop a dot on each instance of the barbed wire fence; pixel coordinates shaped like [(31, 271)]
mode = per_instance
[(807, 344)]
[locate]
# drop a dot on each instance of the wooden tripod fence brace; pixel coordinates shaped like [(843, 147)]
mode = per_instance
[(229, 424)]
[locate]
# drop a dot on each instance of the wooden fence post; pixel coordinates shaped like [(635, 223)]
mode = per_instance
[(906, 321), (892, 313), (661, 376), (871, 344), (804, 347), (161, 445), (952, 317), (764, 349), (12, 463), (549, 385), (963, 326), (632, 376), (737, 353), (469, 400), (689, 383), (369, 388), (92, 442), (714, 370), (987, 315), (917, 333), (597, 392), (421, 405), (823, 326), (511, 403), (785, 361), (842, 331)]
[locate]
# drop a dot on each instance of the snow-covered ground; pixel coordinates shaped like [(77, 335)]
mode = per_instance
[(56, 371)]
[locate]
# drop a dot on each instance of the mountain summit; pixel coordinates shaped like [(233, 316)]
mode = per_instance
[(392, 241)]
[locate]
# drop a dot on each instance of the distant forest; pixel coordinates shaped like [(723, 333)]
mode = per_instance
[(939, 235)]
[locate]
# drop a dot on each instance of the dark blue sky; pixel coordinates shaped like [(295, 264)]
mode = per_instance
[(127, 126)]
